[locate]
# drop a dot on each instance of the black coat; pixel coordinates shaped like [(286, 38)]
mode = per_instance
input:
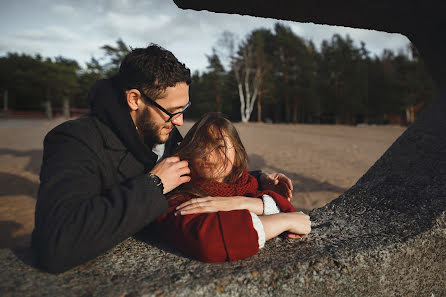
[(93, 194)]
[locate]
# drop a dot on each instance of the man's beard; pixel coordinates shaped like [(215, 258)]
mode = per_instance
[(150, 130)]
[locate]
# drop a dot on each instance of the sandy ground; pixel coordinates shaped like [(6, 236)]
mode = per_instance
[(322, 161)]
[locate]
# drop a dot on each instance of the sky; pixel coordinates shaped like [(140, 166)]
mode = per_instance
[(77, 29)]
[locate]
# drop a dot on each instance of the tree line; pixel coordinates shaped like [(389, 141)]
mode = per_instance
[(34, 83), (269, 76)]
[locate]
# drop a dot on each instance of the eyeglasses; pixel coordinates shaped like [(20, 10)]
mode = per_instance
[(172, 116)]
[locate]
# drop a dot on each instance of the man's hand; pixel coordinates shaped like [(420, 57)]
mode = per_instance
[(213, 204), (172, 172), (278, 183)]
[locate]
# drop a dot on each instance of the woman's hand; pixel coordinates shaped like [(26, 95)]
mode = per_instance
[(299, 224), (213, 204), (278, 183)]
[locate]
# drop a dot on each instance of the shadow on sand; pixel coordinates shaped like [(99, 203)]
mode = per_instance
[(19, 245), (305, 184), (12, 184), (7, 229), (35, 158)]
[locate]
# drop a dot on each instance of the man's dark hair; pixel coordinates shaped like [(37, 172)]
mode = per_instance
[(152, 70)]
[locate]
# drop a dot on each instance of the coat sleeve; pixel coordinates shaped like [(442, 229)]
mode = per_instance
[(210, 237), (282, 203), (75, 220)]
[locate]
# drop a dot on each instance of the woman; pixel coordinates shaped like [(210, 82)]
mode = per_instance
[(246, 216)]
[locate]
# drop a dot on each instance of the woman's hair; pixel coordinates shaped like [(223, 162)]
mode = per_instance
[(207, 135)]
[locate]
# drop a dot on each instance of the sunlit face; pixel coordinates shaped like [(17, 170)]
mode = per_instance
[(151, 121), (215, 165)]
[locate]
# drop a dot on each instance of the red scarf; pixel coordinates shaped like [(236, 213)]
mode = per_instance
[(245, 186)]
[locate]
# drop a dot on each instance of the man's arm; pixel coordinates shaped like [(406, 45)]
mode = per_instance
[(75, 220)]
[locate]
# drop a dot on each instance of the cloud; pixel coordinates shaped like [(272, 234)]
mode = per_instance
[(134, 24), (63, 9), (101, 7), (50, 33)]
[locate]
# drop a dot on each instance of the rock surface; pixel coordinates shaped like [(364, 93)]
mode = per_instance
[(385, 236)]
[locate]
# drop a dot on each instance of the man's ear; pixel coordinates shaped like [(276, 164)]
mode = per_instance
[(133, 99)]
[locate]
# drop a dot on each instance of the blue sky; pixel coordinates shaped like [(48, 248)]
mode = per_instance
[(77, 29)]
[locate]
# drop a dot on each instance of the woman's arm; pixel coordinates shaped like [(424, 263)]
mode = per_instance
[(226, 235), (213, 204), (270, 203), (294, 222), (211, 237)]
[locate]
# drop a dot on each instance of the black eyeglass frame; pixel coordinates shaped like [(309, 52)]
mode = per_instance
[(172, 116)]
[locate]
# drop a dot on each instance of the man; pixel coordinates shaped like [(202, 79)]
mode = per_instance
[(104, 175)]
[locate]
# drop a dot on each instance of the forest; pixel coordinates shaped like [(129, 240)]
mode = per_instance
[(271, 76)]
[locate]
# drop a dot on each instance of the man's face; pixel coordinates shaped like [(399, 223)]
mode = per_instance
[(151, 121)]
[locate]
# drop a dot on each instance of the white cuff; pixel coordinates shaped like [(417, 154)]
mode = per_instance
[(269, 205), (258, 226)]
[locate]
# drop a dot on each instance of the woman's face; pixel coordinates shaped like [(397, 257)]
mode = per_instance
[(215, 165)]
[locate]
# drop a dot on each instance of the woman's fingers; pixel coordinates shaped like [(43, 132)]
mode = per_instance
[(193, 201), (294, 236), (210, 204), (300, 223), (192, 206), (196, 205), (194, 210)]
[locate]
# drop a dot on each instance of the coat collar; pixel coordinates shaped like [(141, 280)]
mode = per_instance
[(112, 141), (130, 167)]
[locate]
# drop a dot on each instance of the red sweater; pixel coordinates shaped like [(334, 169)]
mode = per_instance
[(218, 236)]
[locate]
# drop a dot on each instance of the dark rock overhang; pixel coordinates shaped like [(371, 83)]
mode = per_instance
[(395, 16), (423, 22)]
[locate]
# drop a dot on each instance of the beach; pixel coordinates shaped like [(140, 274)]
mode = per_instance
[(323, 161)]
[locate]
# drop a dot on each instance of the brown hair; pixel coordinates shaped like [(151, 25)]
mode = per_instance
[(205, 136)]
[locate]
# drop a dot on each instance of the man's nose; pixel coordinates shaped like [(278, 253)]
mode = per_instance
[(178, 121)]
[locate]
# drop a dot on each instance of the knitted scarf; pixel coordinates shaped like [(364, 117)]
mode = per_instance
[(246, 186)]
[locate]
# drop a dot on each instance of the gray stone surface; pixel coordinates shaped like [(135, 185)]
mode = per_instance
[(385, 236)]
